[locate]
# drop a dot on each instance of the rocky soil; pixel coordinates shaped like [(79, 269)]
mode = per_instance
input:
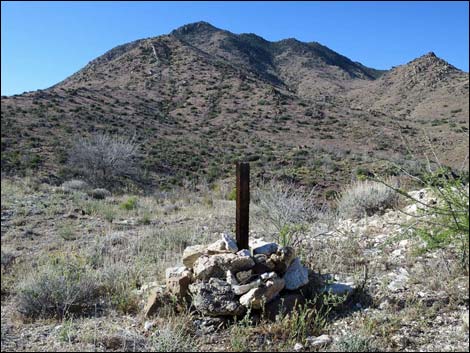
[(397, 298)]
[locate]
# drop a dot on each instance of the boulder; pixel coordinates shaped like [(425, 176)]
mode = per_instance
[(215, 298), (296, 275), (178, 280), (257, 297), (192, 253)]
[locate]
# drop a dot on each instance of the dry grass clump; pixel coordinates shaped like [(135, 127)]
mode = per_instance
[(78, 284), (366, 198), (175, 335)]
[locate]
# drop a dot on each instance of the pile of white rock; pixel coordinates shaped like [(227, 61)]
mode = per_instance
[(221, 280)]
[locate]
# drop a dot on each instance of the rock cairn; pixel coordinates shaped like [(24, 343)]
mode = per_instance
[(221, 280)]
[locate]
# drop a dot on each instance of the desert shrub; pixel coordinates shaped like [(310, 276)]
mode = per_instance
[(78, 284), (99, 194), (355, 343), (118, 280), (74, 185), (129, 204), (444, 223), (104, 159), (58, 288), (365, 198), (173, 336), (289, 209), (233, 195)]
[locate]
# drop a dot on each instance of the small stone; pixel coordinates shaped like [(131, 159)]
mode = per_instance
[(207, 267), (298, 347), (257, 297), (230, 243), (339, 289), (177, 281), (262, 247), (244, 288), (231, 278), (244, 252), (192, 253), (296, 275), (217, 246), (155, 302), (319, 341), (244, 276), (268, 275), (209, 325), (241, 263), (148, 325)]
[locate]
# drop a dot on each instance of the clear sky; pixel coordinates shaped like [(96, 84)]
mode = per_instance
[(44, 42)]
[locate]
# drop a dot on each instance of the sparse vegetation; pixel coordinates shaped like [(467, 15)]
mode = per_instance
[(365, 198), (79, 262)]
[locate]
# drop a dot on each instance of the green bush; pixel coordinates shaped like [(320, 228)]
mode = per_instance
[(444, 223), (129, 204), (233, 195)]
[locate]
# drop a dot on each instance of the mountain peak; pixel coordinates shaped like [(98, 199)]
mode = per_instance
[(431, 61), (196, 27)]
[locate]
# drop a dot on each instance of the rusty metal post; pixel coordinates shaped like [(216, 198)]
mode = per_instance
[(243, 204)]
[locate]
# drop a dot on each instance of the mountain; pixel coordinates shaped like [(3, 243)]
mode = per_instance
[(201, 97)]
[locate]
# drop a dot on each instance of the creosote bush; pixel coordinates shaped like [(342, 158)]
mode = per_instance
[(366, 198)]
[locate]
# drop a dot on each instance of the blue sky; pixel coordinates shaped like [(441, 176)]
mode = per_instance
[(44, 42)]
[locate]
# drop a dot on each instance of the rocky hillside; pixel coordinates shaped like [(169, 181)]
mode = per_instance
[(200, 98)]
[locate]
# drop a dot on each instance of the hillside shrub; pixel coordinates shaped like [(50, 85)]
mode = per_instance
[(105, 159), (365, 198)]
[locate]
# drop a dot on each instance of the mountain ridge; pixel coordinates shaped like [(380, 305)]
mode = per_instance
[(201, 98)]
